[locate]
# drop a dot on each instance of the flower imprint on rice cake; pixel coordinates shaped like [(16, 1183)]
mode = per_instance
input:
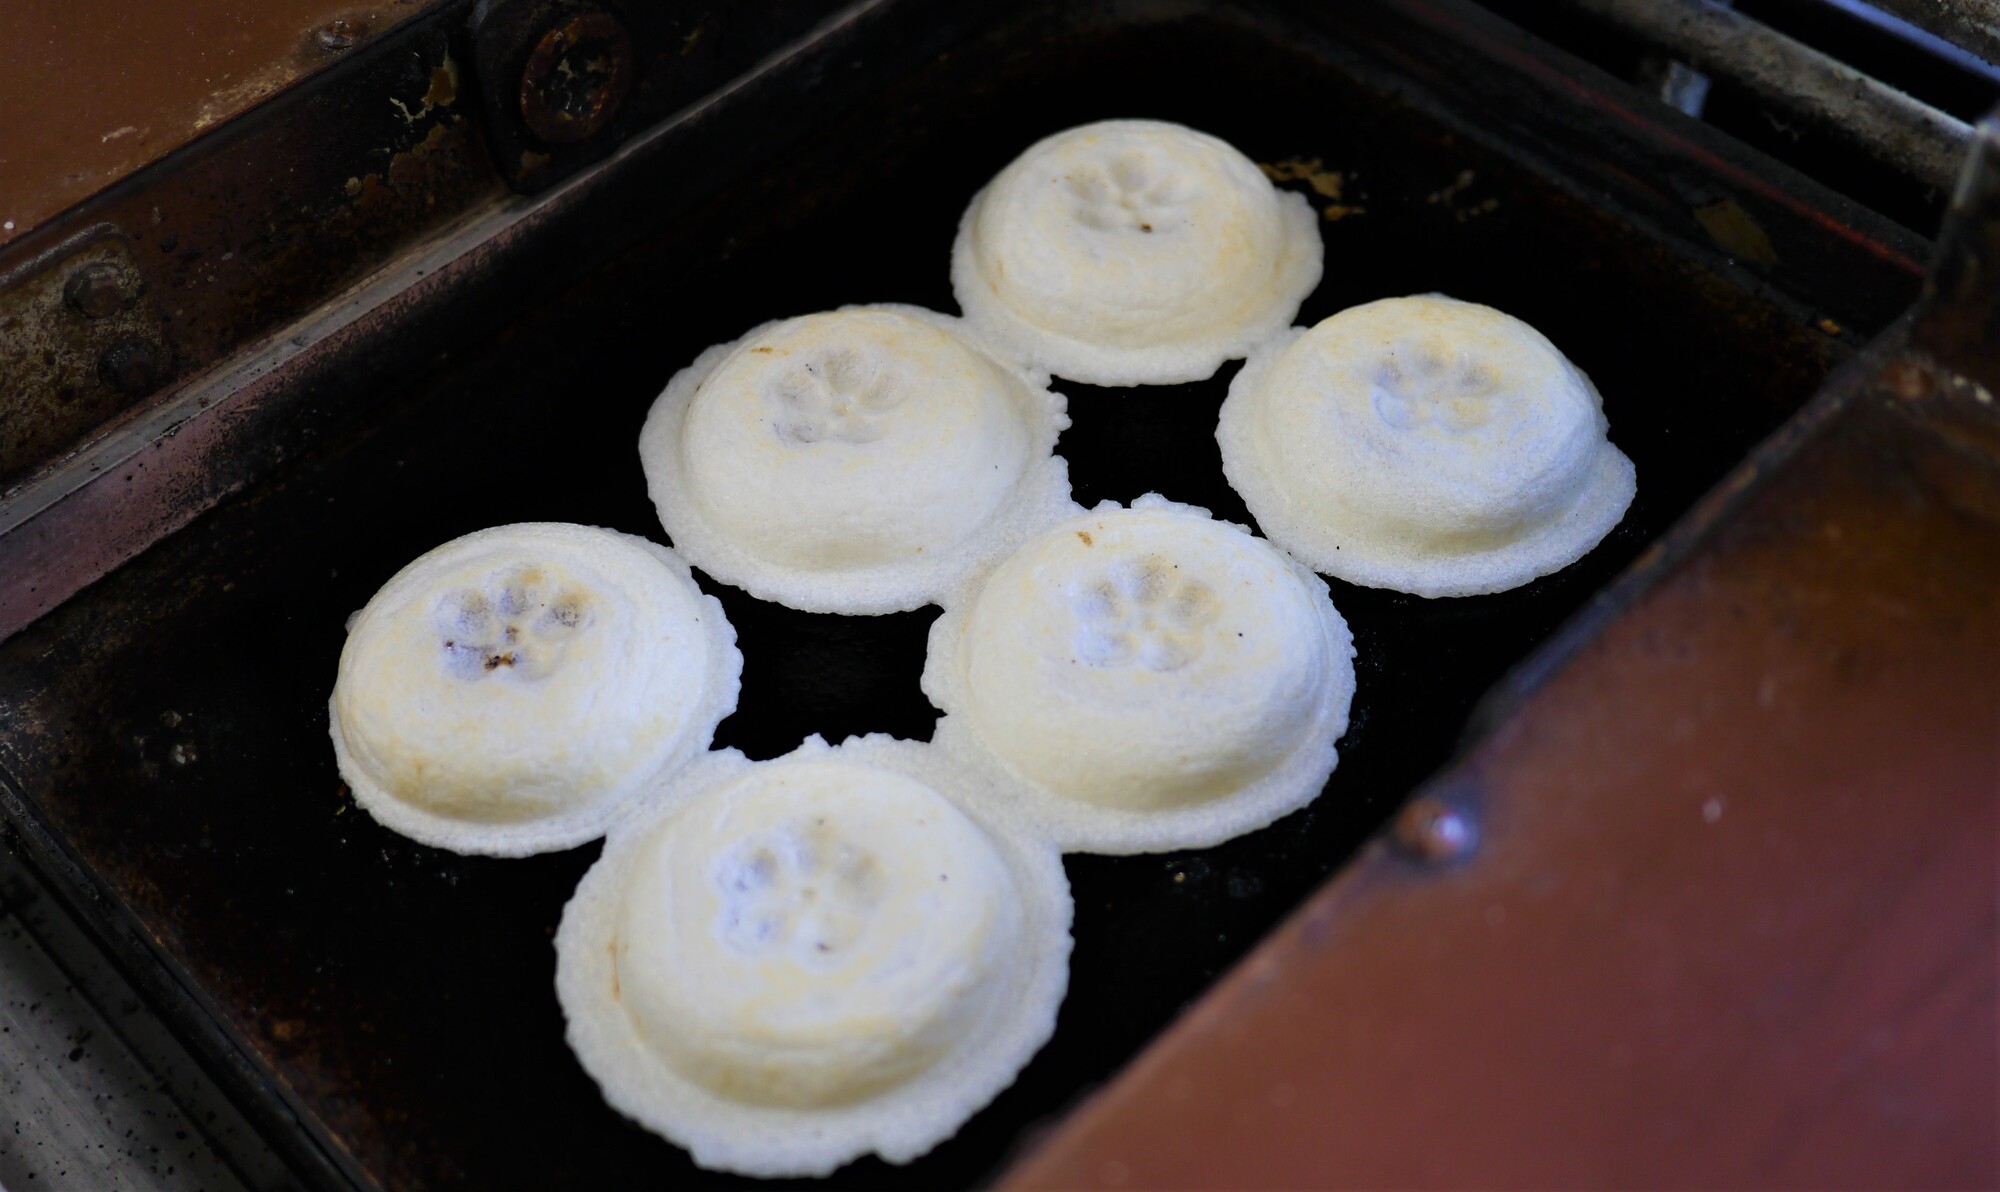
[(1141, 612), (857, 461), (1133, 252), (1144, 679), (789, 964), (836, 394), (1424, 444), (511, 691)]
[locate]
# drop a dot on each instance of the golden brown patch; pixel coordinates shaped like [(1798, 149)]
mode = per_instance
[(1309, 170), (1085, 535), (444, 86)]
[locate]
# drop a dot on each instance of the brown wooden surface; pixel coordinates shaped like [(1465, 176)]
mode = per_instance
[(1731, 921), (94, 89)]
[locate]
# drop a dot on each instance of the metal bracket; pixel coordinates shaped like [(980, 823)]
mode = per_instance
[(80, 339)]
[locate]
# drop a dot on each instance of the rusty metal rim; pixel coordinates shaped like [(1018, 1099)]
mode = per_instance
[(1222, 1028), (1962, 260), (297, 1138), (70, 523), (55, 253), (423, 274), (336, 344)]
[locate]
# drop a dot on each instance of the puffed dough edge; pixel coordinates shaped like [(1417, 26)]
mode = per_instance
[(1041, 497), (1597, 510), (898, 1124), (1299, 273), (1078, 827), (720, 689)]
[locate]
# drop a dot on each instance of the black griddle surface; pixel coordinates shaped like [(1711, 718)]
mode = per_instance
[(168, 728)]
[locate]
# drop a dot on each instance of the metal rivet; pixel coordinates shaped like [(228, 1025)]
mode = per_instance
[(341, 33), (96, 291), (576, 77), (132, 365), (1431, 830)]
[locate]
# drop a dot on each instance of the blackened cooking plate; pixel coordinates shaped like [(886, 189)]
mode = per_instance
[(166, 731)]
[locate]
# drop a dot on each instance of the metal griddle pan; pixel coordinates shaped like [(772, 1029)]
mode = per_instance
[(386, 1009)]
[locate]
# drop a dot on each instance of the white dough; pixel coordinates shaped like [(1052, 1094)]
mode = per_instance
[(857, 461), (1133, 252), (510, 691), (1145, 679), (1424, 444), (788, 964)]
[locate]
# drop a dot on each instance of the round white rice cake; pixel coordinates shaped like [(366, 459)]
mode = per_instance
[(1144, 679), (512, 690), (1133, 252), (788, 964), (1424, 444), (862, 460)]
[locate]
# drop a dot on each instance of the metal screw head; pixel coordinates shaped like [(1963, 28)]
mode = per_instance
[(97, 290), (576, 78), (341, 33), (1431, 830), (132, 365)]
